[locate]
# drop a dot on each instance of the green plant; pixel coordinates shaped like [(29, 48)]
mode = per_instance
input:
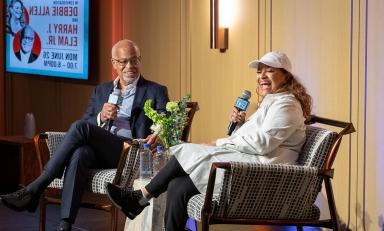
[(169, 126)]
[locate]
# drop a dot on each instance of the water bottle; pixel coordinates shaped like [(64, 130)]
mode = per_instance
[(145, 162), (159, 160)]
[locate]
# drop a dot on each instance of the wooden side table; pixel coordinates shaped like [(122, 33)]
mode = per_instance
[(18, 162)]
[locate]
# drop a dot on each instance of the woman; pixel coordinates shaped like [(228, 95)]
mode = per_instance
[(275, 133), (15, 17)]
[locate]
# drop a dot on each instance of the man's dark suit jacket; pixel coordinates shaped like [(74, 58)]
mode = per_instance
[(32, 56), (145, 89)]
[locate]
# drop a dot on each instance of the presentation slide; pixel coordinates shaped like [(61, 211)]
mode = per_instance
[(47, 37)]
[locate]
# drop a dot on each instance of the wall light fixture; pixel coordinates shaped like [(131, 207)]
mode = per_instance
[(219, 24)]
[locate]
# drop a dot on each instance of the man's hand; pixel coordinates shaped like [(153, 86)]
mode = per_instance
[(109, 112), (153, 141)]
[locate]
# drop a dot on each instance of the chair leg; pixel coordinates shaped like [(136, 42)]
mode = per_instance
[(42, 215), (331, 204), (205, 223), (114, 218)]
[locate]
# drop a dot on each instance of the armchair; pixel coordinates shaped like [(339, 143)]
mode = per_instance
[(95, 196), (276, 194)]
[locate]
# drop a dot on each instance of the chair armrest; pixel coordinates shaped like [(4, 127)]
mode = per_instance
[(128, 166), (262, 186)]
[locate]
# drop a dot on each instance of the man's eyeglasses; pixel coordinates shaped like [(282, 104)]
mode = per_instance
[(28, 39), (123, 62)]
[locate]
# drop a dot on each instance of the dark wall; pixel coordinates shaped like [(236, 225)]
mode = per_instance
[(56, 103), (2, 87)]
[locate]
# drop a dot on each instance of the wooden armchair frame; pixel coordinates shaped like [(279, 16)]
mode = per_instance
[(326, 173), (192, 108)]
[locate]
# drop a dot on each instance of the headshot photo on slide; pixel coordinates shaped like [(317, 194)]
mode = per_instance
[(27, 45), (16, 17)]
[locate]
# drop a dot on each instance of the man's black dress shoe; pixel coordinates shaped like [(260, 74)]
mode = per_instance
[(21, 200), (130, 202), (64, 226)]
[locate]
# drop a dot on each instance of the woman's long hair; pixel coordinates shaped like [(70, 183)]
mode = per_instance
[(9, 16), (299, 91)]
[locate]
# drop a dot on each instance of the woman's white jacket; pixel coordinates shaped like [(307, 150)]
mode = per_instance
[(275, 133)]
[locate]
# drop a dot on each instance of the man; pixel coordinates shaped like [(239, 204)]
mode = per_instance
[(27, 37), (88, 143)]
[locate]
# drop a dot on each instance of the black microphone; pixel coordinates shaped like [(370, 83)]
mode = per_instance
[(114, 98), (241, 104)]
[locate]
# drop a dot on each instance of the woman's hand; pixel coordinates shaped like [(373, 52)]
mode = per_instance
[(237, 117)]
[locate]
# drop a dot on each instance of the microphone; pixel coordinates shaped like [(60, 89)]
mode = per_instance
[(114, 98), (241, 104)]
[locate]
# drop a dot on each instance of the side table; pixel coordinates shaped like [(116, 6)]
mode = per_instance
[(18, 162)]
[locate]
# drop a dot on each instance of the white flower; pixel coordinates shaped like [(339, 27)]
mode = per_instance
[(168, 127), (156, 128)]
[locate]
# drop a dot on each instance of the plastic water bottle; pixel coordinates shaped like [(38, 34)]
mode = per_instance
[(145, 163), (159, 160)]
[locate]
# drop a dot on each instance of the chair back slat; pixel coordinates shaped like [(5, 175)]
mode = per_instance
[(317, 145), (53, 140), (191, 108)]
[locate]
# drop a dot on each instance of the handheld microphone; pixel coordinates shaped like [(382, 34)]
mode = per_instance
[(241, 104), (114, 98)]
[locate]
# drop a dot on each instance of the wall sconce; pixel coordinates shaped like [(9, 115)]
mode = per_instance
[(219, 24)]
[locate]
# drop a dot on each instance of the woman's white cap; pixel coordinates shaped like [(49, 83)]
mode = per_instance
[(276, 59)]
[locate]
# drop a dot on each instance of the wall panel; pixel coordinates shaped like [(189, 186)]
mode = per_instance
[(155, 26), (218, 78), (317, 37), (373, 203)]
